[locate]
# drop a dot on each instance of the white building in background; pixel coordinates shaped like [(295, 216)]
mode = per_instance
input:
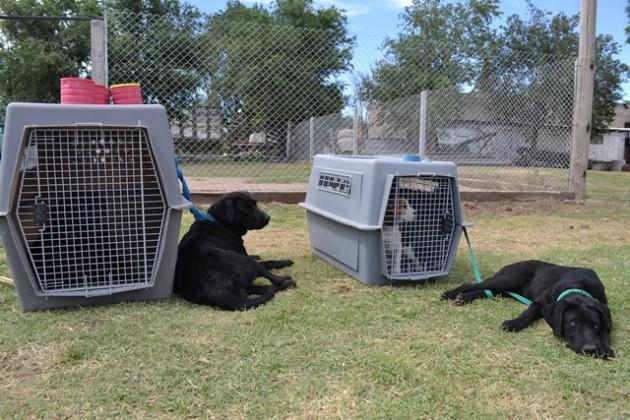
[(613, 145), (608, 147)]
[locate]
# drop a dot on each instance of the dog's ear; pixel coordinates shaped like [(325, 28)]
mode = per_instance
[(224, 209), (604, 316), (554, 315), (229, 211)]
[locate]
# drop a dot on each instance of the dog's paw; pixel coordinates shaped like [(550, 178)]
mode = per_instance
[(449, 295), (606, 354), (287, 283), (511, 326), (460, 300), (457, 298)]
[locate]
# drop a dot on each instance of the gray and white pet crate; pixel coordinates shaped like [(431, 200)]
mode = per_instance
[(90, 206), (354, 223)]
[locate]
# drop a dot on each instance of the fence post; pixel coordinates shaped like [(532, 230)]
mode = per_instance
[(311, 131), (423, 124), (583, 99), (97, 36), (288, 153), (355, 131)]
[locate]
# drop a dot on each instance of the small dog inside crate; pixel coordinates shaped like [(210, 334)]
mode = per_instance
[(397, 213), (417, 225)]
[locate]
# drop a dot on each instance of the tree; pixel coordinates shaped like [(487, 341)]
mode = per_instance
[(610, 74), (440, 45), (530, 81), (270, 67), (546, 35), (155, 43), (35, 54), (454, 45)]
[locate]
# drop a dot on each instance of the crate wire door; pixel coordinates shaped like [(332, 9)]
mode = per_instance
[(420, 246), (91, 209)]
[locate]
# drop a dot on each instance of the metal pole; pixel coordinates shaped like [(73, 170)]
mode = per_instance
[(288, 152), (583, 108), (423, 124), (311, 138), (355, 131)]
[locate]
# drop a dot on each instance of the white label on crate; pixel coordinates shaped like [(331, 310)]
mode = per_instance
[(335, 183)]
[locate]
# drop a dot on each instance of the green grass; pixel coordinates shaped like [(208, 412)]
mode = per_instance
[(255, 172), (334, 348), (475, 177)]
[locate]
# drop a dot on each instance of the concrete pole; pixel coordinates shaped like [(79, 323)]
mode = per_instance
[(583, 108), (97, 34)]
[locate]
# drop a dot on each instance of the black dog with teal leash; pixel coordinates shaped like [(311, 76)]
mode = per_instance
[(572, 300)]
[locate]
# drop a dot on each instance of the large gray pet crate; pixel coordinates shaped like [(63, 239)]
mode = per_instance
[(354, 203), (90, 206)]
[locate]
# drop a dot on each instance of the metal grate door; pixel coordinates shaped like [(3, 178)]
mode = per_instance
[(418, 245), (90, 208)]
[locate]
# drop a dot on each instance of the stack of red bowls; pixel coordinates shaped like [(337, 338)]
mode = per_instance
[(101, 94), (75, 90), (126, 94)]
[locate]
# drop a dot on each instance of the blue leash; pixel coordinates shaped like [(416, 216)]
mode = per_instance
[(478, 278), (200, 216)]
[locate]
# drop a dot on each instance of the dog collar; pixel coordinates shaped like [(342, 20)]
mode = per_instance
[(579, 291)]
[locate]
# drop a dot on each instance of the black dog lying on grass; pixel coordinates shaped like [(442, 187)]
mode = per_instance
[(572, 301), (213, 267)]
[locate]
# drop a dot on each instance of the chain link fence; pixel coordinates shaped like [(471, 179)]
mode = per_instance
[(256, 103)]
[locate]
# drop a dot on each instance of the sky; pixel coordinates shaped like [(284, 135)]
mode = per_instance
[(381, 17)]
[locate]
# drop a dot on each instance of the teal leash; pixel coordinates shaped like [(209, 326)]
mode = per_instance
[(475, 267), (200, 216), (473, 262)]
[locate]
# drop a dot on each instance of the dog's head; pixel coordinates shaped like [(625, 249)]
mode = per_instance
[(238, 212), (584, 324), (399, 210)]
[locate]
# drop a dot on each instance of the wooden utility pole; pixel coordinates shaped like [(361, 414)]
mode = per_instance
[(583, 108)]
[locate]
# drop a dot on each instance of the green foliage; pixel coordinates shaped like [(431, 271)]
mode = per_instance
[(259, 74), (137, 43), (548, 34), (439, 46), (532, 64), (35, 54), (609, 75), (444, 44)]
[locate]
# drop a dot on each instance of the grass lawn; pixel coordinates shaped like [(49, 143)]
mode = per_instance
[(334, 348)]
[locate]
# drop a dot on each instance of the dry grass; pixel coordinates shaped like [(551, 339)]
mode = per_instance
[(332, 347)]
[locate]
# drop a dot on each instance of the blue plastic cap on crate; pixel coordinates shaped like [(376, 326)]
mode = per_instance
[(412, 158)]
